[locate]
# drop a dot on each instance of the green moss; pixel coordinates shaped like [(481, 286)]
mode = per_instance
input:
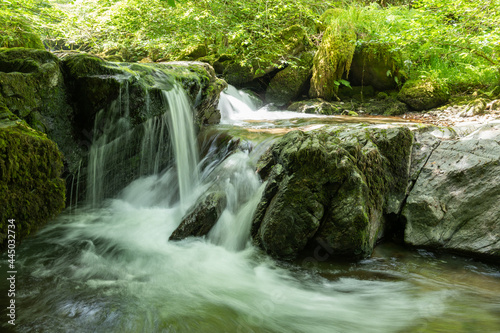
[(424, 93), (82, 64), (194, 52), (291, 82), (332, 60), (32, 191)]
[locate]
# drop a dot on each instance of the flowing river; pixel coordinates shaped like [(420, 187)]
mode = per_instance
[(108, 266)]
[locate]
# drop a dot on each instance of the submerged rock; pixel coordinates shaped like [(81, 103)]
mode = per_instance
[(202, 218), (331, 187), (454, 202)]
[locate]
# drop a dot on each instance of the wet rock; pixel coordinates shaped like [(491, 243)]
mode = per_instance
[(34, 89), (453, 204), (202, 218), (331, 187)]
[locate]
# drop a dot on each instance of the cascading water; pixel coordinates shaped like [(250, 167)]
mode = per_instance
[(183, 141), (112, 269)]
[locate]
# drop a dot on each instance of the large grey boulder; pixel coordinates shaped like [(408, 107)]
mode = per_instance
[(453, 204)]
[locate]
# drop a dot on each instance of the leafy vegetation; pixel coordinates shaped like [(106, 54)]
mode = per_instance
[(456, 41)]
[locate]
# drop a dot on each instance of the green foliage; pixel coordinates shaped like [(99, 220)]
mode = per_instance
[(460, 40)]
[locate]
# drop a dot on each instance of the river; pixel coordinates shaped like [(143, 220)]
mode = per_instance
[(108, 266)]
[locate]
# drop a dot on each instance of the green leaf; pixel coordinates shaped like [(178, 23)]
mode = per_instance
[(346, 83)]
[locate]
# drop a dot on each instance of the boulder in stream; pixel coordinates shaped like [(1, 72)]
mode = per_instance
[(199, 221), (331, 187), (453, 204)]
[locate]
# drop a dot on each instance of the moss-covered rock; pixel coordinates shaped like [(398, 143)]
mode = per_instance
[(316, 106), (33, 88), (291, 82), (424, 93), (332, 60), (31, 189), (386, 107), (237, 74), (193, 52), (331, 188), (63, 97), (290, 43)]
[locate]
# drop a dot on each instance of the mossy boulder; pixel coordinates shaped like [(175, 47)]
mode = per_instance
[(386, 107), (34, 89), (332, 61), (291, 82), (237, 74), (290, 43), (95, 84), (331, 188), (424, 93), (31, 188), (193, 52)]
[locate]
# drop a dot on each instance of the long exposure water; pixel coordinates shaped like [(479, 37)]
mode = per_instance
[(109, 267)]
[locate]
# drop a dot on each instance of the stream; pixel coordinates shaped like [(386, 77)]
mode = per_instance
[(108, 266)]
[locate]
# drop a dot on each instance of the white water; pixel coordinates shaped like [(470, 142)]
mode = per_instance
[(112, 268), (184, 143), (238, 109)]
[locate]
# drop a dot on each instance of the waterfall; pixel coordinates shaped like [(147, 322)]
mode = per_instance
[(234, 104), (121, 153), (181, 126), (110, 149), (238, 107)]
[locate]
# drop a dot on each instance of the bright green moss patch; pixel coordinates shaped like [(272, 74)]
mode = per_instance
[(333, 59), (31, 189), (424, 93)]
